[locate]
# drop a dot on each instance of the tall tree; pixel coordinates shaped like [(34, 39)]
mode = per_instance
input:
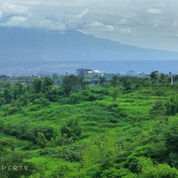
[(114, 81), (72, 83), (47, 83), (37, 85)]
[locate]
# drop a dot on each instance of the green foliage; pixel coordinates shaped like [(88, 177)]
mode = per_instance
[(13, 163), (115, 173), (158, 109), (172, 106), (171, 141), (2, 101), (47, 83), (66, 152), (12, 110), (41, 140), (126, 127), (102, 80), (35, 107), (115, 81), (37, 85), (115, 94), (41, 102), (71, 129), (85, 95), (7, 95), (148, 170), (64, 170), (101, 151), (4, 142), (154, 75), (127, 84), (72, 83)]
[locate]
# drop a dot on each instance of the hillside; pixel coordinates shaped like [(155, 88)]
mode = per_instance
[(118, 129)]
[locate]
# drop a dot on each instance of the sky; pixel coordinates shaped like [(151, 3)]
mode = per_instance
[(144, 23)]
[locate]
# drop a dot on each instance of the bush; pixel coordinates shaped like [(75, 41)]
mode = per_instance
[(63, 171), (2, 101), (94, 171), (12, 110), (148, 170), (68, 153), (71, 129), (159, 93), (172, 106), (76, 98), (171, 142), (41, 101), (41, 140), (158, 109), (34, 107), (63, 140)]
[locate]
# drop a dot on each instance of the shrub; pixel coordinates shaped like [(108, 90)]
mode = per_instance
[(71, 129), (148, 170), (172, 106), (68, 153), (34, 107), (41, 140), (41, 101), (12, 110), (158, 109), (115, 173)]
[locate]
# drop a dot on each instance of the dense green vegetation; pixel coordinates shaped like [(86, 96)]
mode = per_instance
[(125, 127)]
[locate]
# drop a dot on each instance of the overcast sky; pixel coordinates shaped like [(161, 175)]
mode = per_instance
[(146, 23)]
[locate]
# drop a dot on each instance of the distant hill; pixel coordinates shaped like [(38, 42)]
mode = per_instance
[(33, 48)]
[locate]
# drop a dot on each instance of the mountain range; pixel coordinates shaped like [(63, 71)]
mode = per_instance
[(31, 49)]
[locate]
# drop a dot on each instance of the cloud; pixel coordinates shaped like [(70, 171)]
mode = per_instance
[(124, 21), (76, 20), (11, 8), (156, 25), (96, 24), (49, 24), (101, 26), (154, 11), (15, 21), (0, 14), (134, 22), (82, 14), (127, 31), (109, 28)]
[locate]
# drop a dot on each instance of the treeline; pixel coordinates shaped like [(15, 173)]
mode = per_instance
[(73, 89)]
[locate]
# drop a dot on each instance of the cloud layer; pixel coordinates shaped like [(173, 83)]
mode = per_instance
[(144, 23)]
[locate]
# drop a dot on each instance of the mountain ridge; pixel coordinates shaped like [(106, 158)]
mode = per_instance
[(33, 49), (71, 45)]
